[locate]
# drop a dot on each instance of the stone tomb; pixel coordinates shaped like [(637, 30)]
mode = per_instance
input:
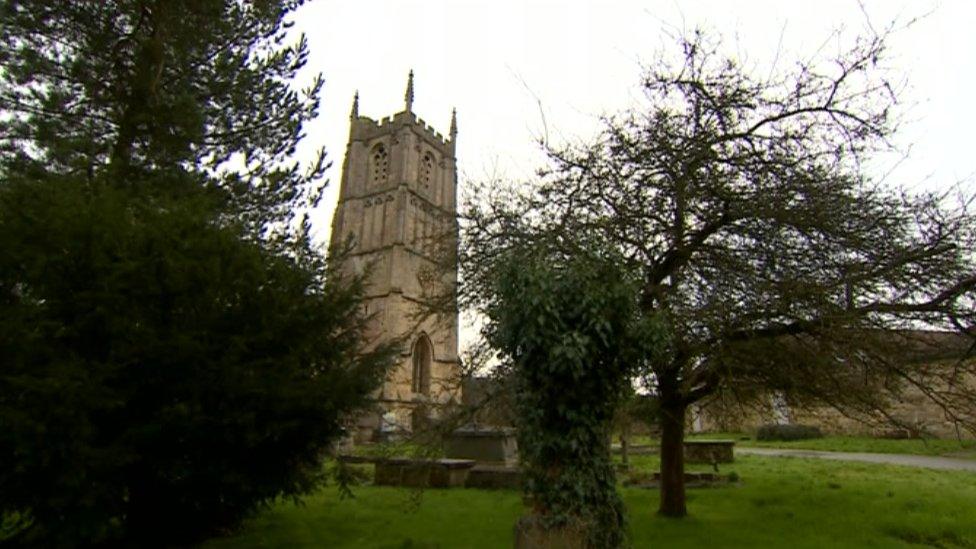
[(419, 473), (495, 451), (709, 451), (490, 446)]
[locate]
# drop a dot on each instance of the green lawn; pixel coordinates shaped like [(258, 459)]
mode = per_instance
[(780, 502), (924, 447)]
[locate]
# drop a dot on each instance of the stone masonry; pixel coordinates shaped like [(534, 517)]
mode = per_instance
[(397, 211)]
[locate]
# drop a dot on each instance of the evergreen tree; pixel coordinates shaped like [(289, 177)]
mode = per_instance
[(135, 87), (174, 352)]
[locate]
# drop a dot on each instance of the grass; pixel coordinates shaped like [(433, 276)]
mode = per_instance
[(922, 447), (780, 502)]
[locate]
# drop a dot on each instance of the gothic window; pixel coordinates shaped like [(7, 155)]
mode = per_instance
[(427, 171), (423, 355), (379, 163)]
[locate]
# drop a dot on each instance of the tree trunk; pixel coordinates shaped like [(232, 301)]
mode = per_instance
[(672, 460)]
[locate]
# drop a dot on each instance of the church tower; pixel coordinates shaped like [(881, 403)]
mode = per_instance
[(397, 208)]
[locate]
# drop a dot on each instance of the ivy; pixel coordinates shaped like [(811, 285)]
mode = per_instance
[(572, 335)]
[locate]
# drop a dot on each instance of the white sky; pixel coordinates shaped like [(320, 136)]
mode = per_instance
[(496, 61)]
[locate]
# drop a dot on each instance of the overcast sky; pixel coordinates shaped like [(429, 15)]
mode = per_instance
[(497, 61)]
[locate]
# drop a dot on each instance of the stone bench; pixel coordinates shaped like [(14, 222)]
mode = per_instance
[(416, 472), (709, 451)]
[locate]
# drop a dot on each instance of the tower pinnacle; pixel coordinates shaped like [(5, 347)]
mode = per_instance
[(355, 106), (453, 124), (409, 95)]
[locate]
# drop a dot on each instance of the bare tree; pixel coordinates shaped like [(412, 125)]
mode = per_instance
[(777, 261)]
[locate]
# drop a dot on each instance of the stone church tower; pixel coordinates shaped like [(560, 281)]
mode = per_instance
[(397, 208)]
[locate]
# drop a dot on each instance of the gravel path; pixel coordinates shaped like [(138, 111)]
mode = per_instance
[(929, 462)]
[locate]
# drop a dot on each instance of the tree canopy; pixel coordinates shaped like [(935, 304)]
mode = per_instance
[(742, 203), (176, 352), (160, 370), (207, 87)]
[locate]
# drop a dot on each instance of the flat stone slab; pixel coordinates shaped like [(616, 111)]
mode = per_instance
[(709, 451), (403, 460), (927, 462), (416, 472), (445, 463), (422, 473)]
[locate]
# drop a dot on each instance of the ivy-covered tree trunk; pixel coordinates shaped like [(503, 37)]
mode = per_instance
[(672, 416), (570, 333)]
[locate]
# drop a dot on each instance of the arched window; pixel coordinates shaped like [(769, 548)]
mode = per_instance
[(427, 171), (423, 355), (379, 163)]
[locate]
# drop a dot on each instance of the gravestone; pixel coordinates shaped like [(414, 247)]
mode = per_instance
[(709, 451), (486, 445), (495, 451)]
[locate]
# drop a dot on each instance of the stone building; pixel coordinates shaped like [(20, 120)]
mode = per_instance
[(935, 357), (397, 212)]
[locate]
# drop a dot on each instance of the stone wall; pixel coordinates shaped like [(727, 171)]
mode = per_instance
[(916, 415)]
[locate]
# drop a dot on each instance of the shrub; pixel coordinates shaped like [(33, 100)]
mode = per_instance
[(161, 375), (788, 432)]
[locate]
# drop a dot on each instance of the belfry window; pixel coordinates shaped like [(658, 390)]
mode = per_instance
[(379, 163), (427, 171)]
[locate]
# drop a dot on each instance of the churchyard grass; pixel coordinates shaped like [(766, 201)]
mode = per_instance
[(778, 502)]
